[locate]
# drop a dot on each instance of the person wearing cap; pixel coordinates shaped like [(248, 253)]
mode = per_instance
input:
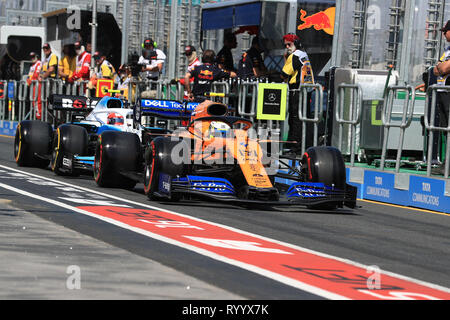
[(224, 58), (204, 75), (251, 64), (123, 79), (104, 69), (152, 60), (67, 65), (35, 69), (83, 64), (191, 54), (33, 75), (49, 63), (296, 71)]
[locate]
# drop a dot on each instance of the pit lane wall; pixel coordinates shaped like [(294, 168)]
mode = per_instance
[(398, 188), (394, 188), (401, 189), (8, 128)]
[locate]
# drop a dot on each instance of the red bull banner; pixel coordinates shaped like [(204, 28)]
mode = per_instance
[(315, 28), (322, 20)]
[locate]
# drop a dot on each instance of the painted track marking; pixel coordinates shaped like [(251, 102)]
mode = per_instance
[(218, 248)]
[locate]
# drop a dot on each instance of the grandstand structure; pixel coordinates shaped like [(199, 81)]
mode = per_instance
[(144, 19)]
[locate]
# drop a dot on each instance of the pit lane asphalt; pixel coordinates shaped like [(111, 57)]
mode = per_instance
[(409, 242)]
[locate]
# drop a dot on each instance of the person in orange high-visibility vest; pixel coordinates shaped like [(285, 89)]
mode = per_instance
[(33, 74), (35, 69), (83, 64)]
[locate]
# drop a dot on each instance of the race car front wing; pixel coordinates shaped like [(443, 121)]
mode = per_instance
[(299, 193)]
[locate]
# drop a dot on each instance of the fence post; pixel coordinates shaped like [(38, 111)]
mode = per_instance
[(386, 116), (355, 114), (3, 98), (431, 127), (243, 95), (303, 111), (21, 96)]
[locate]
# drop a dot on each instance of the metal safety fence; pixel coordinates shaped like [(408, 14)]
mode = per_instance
[(432, 127), (405, 122), (352, 118), (20, 100)]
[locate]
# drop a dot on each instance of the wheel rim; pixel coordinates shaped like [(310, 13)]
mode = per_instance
[(55, 152), (98, 162), (17, 144), (147, 177)]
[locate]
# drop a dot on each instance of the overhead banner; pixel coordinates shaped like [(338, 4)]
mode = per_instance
[(272, 101)]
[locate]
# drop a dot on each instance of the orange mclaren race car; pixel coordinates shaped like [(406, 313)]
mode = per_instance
[(218, 156)]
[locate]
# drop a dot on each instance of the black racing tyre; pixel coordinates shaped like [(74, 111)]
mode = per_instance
[(325, 165), (69, 140), (158, 159), (33, 139), (115, 153)]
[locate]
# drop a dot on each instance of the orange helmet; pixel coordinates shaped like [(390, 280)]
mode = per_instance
[(115, 119)]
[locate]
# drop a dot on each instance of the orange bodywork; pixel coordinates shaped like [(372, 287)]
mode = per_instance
[(235, 146)]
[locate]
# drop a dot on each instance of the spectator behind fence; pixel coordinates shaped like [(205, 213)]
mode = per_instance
[(204, 75), (35, 69), (83, 64), (122, 80), (191, 54), (49, 64), (224, 58), (442, 71), (251, 64), (104, 69), (152, 60), (33, 75), (68, 63), (297, 70)]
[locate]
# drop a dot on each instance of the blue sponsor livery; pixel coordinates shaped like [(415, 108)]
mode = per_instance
[(167, 107), (206, 184), (164, 183), (309, 190)]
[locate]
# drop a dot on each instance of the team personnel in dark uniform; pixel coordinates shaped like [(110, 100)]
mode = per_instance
[(204, 75), (251, 64), (442, 71), (225, 56), (297, 70)]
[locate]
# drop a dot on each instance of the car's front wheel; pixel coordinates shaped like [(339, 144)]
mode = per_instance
[(325, 165)]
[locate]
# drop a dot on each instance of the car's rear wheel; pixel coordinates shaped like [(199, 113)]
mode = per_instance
[(32, 143), (325, 165), (116, 153)]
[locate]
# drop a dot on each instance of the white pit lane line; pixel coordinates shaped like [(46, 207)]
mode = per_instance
[(271, 275)]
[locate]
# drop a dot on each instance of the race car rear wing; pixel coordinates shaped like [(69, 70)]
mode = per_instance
[(167, 109), (68, 103)]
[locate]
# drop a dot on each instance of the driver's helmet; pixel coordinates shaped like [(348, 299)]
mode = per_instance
[(115, 119), (218, 129)]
